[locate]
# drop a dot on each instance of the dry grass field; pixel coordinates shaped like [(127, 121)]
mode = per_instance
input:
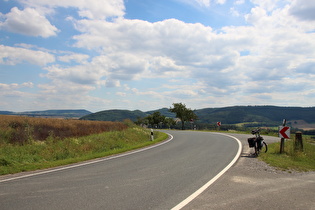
[(28, 143), (20, 129)]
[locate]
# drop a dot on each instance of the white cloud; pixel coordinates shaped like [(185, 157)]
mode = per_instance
[(92, 9), (303, 9), (267, 5), (220, 1), (28, 22), (307, 67), (81, 75), (121, 94), (173, 61), (13, 97), (14, 86), (110, 83), (79, 58), (257, 15), (205, 3), (234, 12), (61, 95), (239, 2), (201, 3), (16, 55), (135, 49), (172, 39)]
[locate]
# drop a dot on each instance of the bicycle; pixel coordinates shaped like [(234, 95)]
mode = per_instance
[(257, 142)]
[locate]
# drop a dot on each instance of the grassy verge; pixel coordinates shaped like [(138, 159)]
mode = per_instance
[(291, 160), (54, 151)]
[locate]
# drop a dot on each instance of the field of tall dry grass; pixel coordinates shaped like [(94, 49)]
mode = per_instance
[(28, 143), (21, 129)]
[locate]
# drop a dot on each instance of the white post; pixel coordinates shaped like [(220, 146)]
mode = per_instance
[(152, 137)]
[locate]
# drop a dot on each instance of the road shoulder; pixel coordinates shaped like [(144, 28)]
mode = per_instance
[(252, 184)]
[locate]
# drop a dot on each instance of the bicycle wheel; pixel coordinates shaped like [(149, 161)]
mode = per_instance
[(266, 147)]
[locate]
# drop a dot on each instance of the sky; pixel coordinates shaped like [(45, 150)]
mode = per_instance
[(148, 54)]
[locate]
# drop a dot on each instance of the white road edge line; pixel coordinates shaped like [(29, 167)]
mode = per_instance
[(204, 187), (90, 162)]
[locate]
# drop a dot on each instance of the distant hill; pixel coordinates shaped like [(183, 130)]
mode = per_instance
[(115, 115), (299, 117), (51, 113), (120, 115), (6, 113), (163, 111), (268, 115)]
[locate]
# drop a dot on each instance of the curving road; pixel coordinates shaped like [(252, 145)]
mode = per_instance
[(158, 178)]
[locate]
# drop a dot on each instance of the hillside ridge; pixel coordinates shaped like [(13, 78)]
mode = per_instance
[(271, 115), (63, 113), (267, 115)]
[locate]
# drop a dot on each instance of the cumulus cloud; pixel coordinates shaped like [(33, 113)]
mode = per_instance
[(170, 38), (14, 86), (15, 92), (201, 3), (267, 5), (259, 61), (28, 22), (92, 9), (15, 55), (168, 49), (220, 1), (303, 9), (239, 2), (76, 74), (78, 58), (306, 68), (135, 49), (234, 12), (257, 15), (205, 3)]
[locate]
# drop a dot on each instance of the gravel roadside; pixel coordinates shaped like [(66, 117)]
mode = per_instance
[(252, 184)]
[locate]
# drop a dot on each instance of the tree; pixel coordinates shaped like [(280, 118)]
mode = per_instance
[(155, 119), (141, 121), (183, 113), (169, 122)]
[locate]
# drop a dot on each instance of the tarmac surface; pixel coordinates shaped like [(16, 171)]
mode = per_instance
[(252, 184)]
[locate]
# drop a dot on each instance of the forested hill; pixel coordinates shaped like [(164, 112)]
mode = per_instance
[(226, 115), (77, 113), (268, 114), (115, 115)]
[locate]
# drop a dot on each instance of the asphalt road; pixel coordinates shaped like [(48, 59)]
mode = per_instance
[(158, 178), (253, 184)]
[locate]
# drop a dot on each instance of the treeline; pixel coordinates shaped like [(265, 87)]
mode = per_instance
[(156, 120), (188, 119)]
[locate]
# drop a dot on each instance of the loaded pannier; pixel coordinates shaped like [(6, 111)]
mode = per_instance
[(251, 141)]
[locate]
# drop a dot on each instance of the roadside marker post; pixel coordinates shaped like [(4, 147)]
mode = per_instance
[(284, 133), (219, 125), (152, 136)]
